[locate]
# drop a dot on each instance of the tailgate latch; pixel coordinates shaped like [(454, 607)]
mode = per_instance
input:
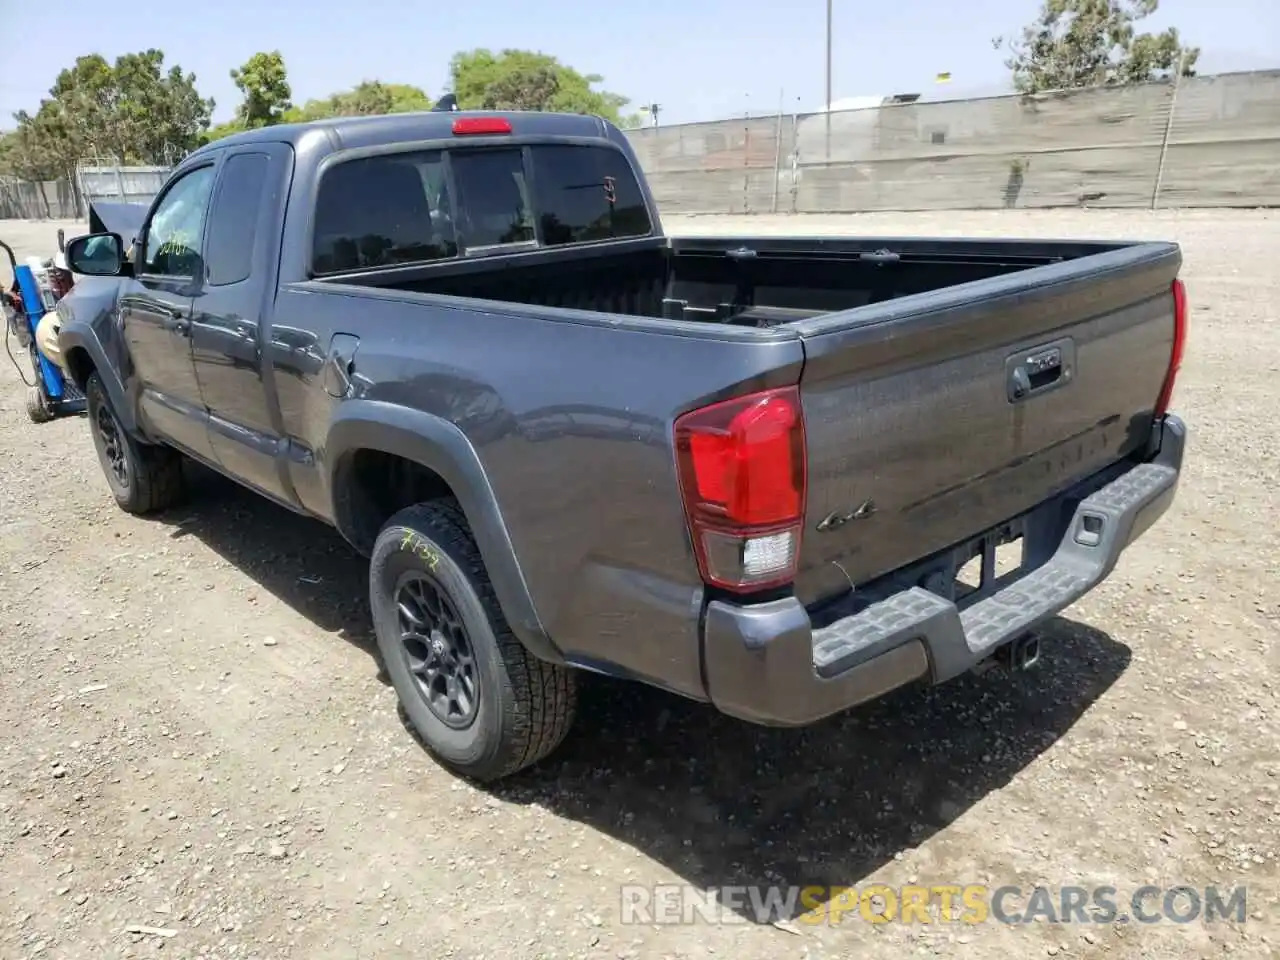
[(1039, 369)]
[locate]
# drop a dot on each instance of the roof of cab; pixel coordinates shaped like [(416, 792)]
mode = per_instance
[(347, 132)]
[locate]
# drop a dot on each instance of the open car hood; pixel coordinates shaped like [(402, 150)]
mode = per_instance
[(122, 218)]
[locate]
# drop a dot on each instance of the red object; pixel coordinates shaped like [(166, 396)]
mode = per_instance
[(14, 298), (60, 282), (464, 126), (742, 471), (1179, 346)]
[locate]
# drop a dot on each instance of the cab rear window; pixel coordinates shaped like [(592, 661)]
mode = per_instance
[(405, 208)]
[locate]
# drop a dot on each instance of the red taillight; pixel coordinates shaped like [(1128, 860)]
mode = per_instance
[(741, 465), (481, 125), (1179, 346)]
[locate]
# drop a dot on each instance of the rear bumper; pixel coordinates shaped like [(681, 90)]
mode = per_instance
[(766, 663)]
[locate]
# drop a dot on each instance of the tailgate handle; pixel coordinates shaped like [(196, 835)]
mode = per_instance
[(1042, 368)]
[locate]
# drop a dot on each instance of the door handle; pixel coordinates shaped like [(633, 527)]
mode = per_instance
[(177, 321)]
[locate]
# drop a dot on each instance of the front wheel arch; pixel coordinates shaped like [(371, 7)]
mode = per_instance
[(83, 356)]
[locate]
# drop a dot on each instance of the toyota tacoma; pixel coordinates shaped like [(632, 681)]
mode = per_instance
[(748, 470)]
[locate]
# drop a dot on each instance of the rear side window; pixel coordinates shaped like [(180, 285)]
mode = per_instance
[(233, 219), (586, 193), (382, 211)]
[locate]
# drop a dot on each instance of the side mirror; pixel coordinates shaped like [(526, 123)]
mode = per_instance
[(96, 255)]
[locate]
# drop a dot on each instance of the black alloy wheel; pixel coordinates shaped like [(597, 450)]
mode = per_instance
[(437, 650)]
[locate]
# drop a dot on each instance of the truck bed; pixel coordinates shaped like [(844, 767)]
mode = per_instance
[(759, 282), (909, 349)]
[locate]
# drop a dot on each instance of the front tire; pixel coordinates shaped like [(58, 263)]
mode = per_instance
[(143, 478), (478, 700)]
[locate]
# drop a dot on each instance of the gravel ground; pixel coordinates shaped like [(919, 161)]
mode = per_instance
[(203, 760)]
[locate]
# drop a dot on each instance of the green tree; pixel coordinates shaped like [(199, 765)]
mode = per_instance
[(368, 98), (221, 130), (527, 80), (525, 88), (1085, 43), (406, 98), (8, 152), (264, 82), (33, 151), (161, 114), (132, 111)]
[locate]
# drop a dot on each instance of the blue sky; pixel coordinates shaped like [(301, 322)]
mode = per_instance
[(700, 59)]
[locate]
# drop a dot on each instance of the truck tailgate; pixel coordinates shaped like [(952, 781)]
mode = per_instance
[(935, 417)]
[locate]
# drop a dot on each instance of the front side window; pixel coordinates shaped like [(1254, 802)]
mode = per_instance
[(380, 212), (176, 231)]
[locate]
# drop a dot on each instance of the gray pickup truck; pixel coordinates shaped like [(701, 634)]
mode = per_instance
[(747, 470)]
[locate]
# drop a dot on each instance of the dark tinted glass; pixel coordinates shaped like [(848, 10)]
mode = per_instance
[(233, 219), (382, 211), (493, 202), (586, 193)]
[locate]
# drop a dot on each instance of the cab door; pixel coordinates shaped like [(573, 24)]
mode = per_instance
[(235, 376), (156, 311)]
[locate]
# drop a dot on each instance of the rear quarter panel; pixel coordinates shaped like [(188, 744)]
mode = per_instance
[(572, 422)]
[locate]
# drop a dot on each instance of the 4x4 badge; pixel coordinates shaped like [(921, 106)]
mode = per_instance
[(838, 518)]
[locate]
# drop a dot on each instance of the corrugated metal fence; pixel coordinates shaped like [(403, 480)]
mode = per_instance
[(1202, 142), (36, 200), (121, 184), (59, 199)]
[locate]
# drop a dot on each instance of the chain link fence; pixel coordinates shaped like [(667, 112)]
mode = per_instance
[(1200, 142)]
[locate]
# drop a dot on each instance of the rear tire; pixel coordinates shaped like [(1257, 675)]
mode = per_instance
[(37, 407), (143, 478), (478, 700)]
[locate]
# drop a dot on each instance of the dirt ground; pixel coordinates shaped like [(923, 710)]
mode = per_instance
[(200, 758)]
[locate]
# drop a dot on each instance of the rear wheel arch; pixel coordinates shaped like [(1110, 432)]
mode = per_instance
[(384, 458)]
